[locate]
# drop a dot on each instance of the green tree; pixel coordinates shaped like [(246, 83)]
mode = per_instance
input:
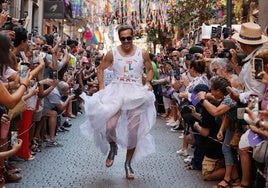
[(184, 12)]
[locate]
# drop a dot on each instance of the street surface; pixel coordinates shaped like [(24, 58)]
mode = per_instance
[(79, 164)]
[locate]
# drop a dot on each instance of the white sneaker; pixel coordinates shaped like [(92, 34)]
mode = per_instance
[(182, 152), (181, 136), (173, 124), (188, 159), (169, 123)]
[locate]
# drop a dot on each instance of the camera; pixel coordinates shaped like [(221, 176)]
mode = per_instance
[(225, 54), (77, 90), (45, 48), (239, 58)]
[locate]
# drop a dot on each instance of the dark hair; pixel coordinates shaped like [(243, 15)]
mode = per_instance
[(125, 27), (219, 82), (152, 56), (5, 57), (228, 44), (198, 65), (20, 36), (49, 39)]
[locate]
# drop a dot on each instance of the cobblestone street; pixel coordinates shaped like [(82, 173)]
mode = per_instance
[(79, 164)]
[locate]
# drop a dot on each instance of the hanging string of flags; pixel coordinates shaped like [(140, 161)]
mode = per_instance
[(133, 12)]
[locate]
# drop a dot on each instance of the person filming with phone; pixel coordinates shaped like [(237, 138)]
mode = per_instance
[(250, 40)]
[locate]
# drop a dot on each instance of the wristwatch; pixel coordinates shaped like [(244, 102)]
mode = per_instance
[(202, 101)]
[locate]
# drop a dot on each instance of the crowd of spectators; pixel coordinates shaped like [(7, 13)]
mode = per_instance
[(216, 92), (41, 77), (206, 91)]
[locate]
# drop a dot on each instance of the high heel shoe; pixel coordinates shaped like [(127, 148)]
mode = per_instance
[(112, 153), (129, 171)]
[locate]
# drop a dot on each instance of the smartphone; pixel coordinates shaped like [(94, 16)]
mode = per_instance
[(258, 66), (253, 104), (240, 113), (14, 137), (24, 67), (36, 53), (55, 75), (43, 54)]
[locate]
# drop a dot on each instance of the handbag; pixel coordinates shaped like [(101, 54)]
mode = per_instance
[(236, 138), (260, 153)]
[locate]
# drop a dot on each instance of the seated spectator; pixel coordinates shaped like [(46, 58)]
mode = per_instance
[(220, 94), (55, 106)]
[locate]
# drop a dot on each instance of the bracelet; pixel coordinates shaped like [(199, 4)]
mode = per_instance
[(202, 101), (23, 84)]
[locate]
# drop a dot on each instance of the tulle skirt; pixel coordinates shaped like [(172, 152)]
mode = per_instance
[(123, 113)]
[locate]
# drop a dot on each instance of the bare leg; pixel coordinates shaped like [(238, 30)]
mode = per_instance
[(52, 123), (216, 175), (245, 166), (111, 128), (111, 137), (134, 121)]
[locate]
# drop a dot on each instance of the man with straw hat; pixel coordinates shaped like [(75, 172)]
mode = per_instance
[(250, 39)]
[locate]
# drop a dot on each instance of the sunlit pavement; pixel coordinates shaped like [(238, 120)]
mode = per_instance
[(79, 164)]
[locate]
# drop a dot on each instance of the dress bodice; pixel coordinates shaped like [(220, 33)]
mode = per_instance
[(129, 68)]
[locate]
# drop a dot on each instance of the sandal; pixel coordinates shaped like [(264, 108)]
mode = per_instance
[(190, 167), (241, 186), (228, 184), (236, 181), (112, 153)]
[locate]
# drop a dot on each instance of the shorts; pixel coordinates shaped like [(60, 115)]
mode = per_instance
[(37, 116), (210, 165)]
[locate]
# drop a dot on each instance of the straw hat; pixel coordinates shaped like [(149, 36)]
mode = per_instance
[(251, 34)]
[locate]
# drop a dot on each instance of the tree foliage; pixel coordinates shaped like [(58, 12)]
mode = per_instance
[(184, 11)]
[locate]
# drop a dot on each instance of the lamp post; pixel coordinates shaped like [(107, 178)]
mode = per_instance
[(229, 13)]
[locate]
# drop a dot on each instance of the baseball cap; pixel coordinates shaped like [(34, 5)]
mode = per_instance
[(197, 89)]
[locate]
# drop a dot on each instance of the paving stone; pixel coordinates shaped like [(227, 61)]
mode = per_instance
[(79, 164)]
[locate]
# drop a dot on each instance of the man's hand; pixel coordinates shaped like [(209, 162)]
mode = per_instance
[(149, 86), (4, 119), (9, 33), (201, 95), (220, 135), (17, 145), (233, 94), (3, 17)]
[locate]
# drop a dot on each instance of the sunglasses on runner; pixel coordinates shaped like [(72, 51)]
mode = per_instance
[(129, 38)]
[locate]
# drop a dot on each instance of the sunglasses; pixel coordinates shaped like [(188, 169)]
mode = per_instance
[(129, 38)]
